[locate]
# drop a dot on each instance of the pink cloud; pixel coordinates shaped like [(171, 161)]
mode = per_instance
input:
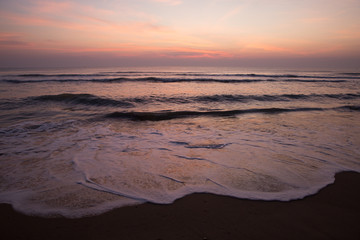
[(315, 20), (181, 52), (92, 24), (233, 12), (13, 40), (169, 2), (51, 7)]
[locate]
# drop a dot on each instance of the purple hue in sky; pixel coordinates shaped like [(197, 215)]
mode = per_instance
[(43, 33)]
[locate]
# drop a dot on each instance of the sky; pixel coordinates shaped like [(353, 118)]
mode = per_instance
[(36, 33)]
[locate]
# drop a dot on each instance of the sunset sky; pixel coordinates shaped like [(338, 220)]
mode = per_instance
[(178, 32)]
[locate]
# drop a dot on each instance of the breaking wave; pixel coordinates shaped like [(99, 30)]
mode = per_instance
[(90, 99), (171, 77), (168, 115), (87, 99)]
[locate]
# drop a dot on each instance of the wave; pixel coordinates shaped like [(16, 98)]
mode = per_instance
[(352, 108), (171, 80), (352, 73), (174, 77), (169, 115), (91, 74), (60, 75), (253, 75), (89, 99), (271, 98), (348, 75)]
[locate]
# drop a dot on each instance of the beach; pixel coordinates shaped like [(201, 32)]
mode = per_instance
[(179, 119), (333, 213), (179, 153)]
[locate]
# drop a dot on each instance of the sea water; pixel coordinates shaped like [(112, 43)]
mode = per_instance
[(77, 142)]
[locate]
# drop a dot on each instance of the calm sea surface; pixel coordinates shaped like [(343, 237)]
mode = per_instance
[(76, 142)]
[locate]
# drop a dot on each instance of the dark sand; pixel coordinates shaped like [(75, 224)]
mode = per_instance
[(333, 213)]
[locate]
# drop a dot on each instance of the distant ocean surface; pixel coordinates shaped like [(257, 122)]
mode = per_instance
[(76, 142)]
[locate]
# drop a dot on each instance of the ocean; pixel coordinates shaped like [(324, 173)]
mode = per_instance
[(82, 141)]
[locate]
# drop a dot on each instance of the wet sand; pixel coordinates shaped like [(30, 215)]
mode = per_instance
[(333, 213)]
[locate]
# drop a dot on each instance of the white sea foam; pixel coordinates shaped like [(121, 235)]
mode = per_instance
[(75, 161), (87, 169)]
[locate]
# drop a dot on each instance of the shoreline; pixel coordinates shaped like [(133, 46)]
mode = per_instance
[(332, 213)]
